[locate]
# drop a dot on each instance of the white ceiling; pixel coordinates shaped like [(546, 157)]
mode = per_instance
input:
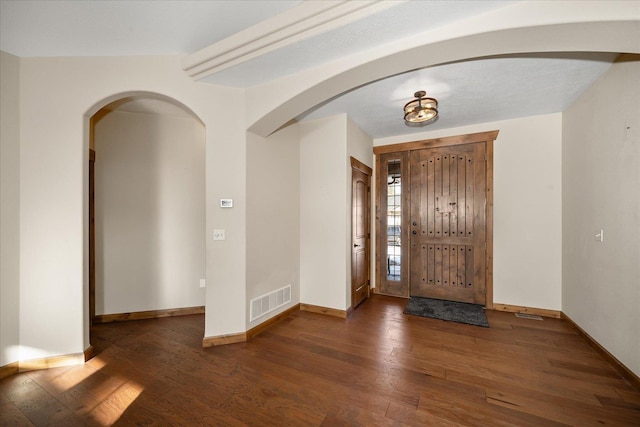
[(37, 28), (404, 19), (469, 92)]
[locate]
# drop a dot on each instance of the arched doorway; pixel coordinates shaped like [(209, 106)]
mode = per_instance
[(146, 209)]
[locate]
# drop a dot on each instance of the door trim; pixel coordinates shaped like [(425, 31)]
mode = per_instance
[(489, 223), (437, 142), (488, 137), (357, 164), (92, 238)]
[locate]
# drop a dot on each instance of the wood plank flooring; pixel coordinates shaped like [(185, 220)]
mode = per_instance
[(377, 368)]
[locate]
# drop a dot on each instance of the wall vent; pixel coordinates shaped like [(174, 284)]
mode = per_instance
[(528, 316), (268, 302)]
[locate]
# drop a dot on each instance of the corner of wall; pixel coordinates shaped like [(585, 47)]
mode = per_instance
[(323, 192), (9, 209), (601, 191), (273, 218)]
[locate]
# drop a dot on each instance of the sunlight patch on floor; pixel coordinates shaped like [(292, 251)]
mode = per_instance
[(111, 408)]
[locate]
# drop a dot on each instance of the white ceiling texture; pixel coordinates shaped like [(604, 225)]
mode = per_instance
[(468, 92)]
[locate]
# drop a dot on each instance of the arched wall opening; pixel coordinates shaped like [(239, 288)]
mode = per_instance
[(146, 207), (313, 87), (58, 96)]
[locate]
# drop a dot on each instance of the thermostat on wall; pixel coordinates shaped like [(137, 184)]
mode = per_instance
[(226, 203)]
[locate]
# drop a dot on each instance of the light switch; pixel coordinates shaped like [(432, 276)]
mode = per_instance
[(218, 234), (203, 283), (600, 236)]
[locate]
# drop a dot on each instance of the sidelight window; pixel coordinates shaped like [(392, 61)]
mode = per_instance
[(394, 219)]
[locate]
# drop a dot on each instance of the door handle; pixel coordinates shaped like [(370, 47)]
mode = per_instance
[(356, 246), (414, 232)]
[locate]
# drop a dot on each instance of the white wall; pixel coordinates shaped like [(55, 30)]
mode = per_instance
[(527, 230), (150, 212), (323, 150), (9, 208), (58, 95), (601, 186), (360, 147), (325, 208), (273, 216)]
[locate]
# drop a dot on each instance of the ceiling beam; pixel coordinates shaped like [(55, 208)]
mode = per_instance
[(306, 20)]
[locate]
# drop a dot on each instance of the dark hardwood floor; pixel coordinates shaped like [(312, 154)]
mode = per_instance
[(379, 367)]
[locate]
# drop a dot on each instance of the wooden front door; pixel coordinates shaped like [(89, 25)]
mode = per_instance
[(448, 223), (360, 227)]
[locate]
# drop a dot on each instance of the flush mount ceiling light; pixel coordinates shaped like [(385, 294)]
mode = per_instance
[(421, 109)]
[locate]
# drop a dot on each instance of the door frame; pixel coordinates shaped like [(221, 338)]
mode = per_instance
[(366, 170), (397, 288), (92, 238), (488, 138)]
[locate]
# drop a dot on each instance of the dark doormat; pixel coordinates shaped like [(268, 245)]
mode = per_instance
[(452, 311)]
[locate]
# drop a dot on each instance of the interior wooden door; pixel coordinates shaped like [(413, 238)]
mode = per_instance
[(360, 231), (448, 223)]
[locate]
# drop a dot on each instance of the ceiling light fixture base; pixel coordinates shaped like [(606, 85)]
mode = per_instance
[(420, 110)]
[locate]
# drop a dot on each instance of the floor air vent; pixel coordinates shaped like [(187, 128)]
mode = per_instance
[(528, 316), (268, 302)]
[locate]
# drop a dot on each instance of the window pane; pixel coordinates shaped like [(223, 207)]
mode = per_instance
[(394, 216)]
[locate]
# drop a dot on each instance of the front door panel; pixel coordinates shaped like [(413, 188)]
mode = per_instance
[(448, 223)]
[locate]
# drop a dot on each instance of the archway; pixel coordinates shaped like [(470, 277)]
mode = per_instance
[(277, 104), (146, 235)]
